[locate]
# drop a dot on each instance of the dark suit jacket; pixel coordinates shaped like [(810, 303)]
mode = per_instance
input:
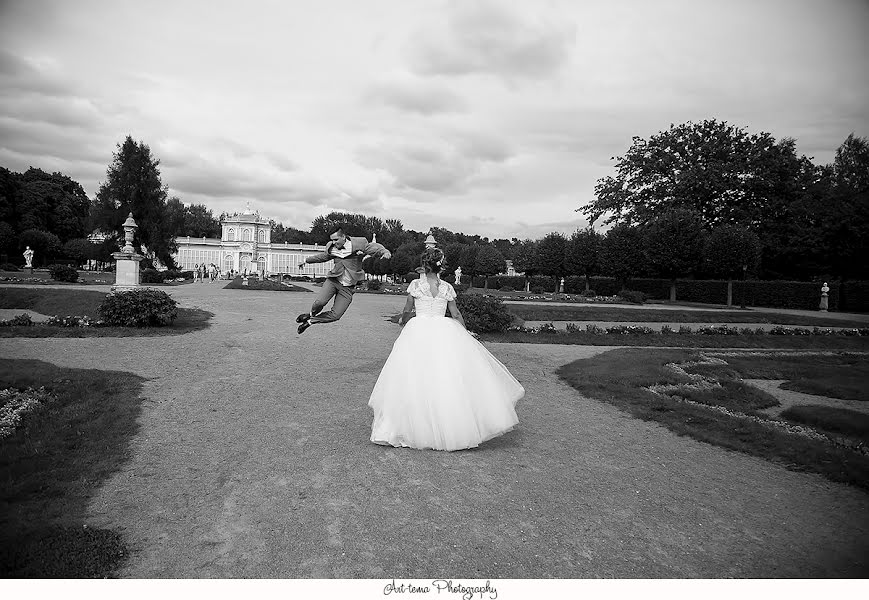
[(353, 263)]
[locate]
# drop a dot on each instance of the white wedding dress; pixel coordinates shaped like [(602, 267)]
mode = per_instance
[(440, 388)]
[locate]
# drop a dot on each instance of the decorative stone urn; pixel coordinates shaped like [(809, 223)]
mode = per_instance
[(127, 260)]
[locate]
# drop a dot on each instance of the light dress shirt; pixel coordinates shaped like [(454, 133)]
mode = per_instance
[(343, 252)]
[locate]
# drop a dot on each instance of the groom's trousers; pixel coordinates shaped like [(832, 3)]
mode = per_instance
[(343, 295)]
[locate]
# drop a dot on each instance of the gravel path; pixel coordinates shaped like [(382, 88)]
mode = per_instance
[(253, 460)]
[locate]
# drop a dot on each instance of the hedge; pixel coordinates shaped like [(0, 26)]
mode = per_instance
[(851, 296)]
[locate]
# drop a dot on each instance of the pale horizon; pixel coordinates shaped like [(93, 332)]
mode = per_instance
[(476, 116)]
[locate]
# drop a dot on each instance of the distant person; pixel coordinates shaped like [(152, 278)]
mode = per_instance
[(347, 254)]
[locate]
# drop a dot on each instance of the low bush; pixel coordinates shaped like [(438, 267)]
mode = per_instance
[(63, 273), (460, 287), (152, 276), (588, 294), (374, 285), (633, 296), (483, 314), (138, 308), (506, 288), (9, 267)]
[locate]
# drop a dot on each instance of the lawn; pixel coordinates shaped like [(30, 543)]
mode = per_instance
[(63, 302), (530, 312), (844, 376), (620, 377), (53, 462)]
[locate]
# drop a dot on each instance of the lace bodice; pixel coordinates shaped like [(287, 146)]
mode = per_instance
[(429, 304)]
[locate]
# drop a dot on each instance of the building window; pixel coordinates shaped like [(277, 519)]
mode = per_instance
[(230, 234), (262, 236), (245, 236)]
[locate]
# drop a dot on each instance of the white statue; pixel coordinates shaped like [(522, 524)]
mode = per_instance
[(825, 300), (459, 275), (28, 258)]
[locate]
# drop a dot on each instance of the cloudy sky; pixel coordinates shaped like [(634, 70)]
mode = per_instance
[(489, 117)]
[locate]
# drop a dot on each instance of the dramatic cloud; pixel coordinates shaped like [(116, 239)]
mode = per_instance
[(489, 38), (480, 116)]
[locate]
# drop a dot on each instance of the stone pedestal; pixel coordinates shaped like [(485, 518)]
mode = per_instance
[(126, 271)]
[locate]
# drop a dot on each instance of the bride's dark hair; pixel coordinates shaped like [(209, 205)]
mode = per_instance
[(431, 260)]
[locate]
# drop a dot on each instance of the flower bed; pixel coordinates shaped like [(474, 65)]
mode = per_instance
[(685, 330), (15, 405)]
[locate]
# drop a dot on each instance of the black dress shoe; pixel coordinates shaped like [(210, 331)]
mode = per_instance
[(304, 326), (302, 318)]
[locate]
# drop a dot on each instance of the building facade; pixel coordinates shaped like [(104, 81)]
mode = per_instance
[(245, 246)]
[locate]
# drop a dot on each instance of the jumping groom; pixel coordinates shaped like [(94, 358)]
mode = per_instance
[(348, 254)]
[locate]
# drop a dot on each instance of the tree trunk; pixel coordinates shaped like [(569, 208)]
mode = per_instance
[(587, 284), (672, 290), (729, 292), (485, 282)]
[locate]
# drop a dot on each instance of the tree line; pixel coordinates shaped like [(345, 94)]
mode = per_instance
[(704, 199)]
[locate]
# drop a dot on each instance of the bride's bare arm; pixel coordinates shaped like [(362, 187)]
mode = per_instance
[(456, 313), (407, 312)]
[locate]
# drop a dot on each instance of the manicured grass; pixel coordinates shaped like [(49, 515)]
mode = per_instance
[(530, 312), (732, 395), (831, 419), (260, 285), (619, 377), (53, 463), (50, 301), (695, 340), (63, 302), (844, 376)]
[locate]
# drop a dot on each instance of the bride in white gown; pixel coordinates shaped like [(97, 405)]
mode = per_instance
[(471, 398)]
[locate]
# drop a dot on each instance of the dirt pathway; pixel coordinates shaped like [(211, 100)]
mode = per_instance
[(253, 460)]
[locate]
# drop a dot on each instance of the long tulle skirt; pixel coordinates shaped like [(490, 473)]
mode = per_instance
[(441, 389)]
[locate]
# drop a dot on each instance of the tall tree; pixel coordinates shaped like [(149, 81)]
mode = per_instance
[(199, 221), (674, 245), (46, 246), (582, 254), (550, 256), (452, 257), (525, 260), (731, 250), (719, 170), (468, 262), (133, 185), (489, 262), (79, 250), (623, 253)]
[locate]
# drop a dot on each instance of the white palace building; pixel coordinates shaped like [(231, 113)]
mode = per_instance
[(245, 246)]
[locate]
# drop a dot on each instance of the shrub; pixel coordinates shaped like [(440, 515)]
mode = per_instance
[(152, 276), (506, 288), (373, 284), (633, 296), (483, 313), (537, 290), (588, 293), (460, 287), (63, 273), (138, 308), (9, 267)]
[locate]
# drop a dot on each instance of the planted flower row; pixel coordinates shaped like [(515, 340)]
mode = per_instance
[(685, 330), (24, 320)]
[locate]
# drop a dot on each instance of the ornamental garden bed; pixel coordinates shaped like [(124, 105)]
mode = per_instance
[(263, 285), (76, 314), (63, 432), (701, 396)]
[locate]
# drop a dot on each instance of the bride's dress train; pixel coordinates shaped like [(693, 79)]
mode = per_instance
[(440, 388)]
